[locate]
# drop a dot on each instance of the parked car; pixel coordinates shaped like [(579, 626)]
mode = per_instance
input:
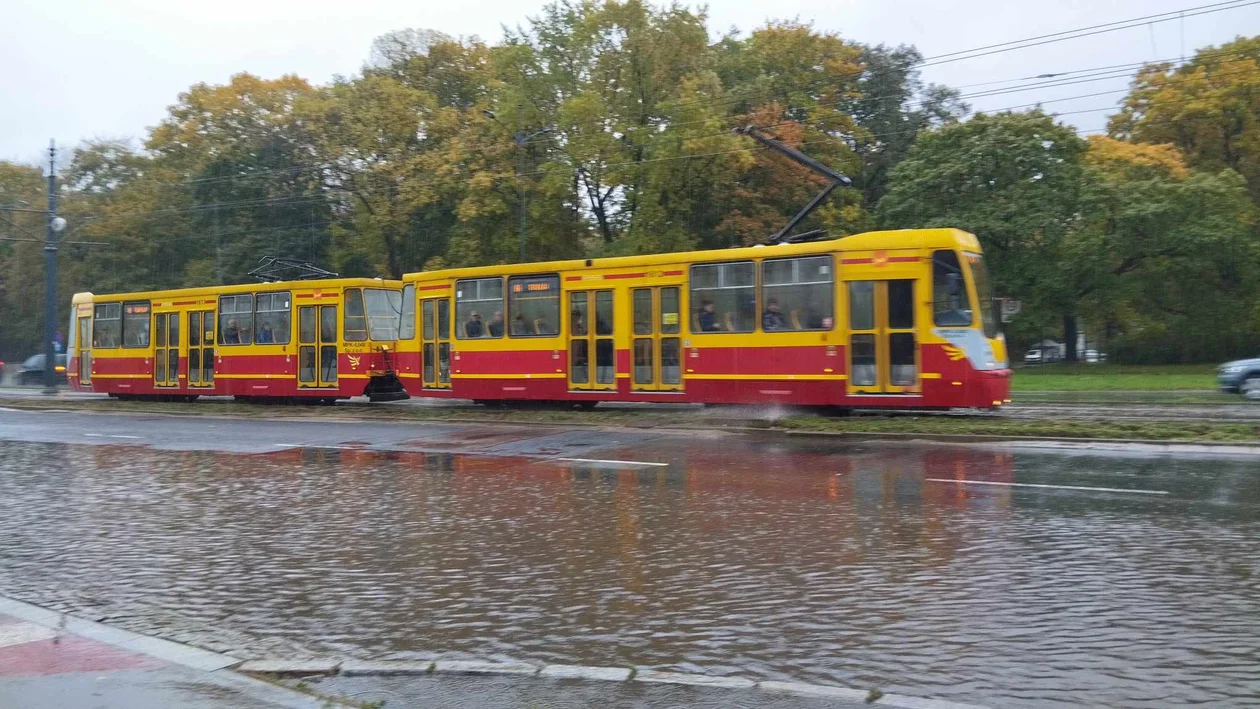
[(1242, 376), (32, 371), (1033, 356), (1095, 356)]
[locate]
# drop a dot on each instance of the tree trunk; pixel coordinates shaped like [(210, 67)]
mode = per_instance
[(1069, 338)]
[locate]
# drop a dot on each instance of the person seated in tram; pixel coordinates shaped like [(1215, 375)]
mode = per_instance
[(496, 324), (772, 319), (266, 336), (474, 328), (519, 327), (232, 333), (708, 317), (576, 323)]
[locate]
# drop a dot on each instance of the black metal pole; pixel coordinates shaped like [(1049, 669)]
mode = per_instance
[(50, 271), (520, 186)]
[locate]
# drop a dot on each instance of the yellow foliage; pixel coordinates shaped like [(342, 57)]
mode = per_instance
[(1110, 154)]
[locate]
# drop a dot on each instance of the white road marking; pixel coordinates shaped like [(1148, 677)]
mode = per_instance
[(611, 462), (1050, 487), (20, 633)]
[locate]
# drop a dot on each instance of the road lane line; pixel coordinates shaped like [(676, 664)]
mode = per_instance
[(610, 462), (1049, 487)]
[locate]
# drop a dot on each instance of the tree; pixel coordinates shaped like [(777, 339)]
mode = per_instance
[(1208, 107), (1017, 181)]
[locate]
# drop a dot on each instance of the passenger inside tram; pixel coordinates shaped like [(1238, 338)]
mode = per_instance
[(496, 324), (772, 319), (708, 317), (474, 328)]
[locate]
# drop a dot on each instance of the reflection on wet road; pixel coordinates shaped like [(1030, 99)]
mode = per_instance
[(860, 565)]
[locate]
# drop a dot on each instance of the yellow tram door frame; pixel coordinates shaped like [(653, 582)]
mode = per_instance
[(592, 352), (656, 338), (317, 346), (83, 344), (883, 340), (166, 331), (201, 348), (435, 342)]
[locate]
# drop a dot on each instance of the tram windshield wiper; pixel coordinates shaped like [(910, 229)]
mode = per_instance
[(837, 180)]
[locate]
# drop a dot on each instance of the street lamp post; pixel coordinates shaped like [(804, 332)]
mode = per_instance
[(55, 225), (521, 138)]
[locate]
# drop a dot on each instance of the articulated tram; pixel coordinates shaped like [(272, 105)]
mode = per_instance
[(317, 340), (894, 319)]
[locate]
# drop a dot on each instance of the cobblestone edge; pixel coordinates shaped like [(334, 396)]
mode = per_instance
[(396, 668)]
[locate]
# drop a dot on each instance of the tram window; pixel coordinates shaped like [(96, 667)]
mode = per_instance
[(861, 305), (135, 325), (534, 306), (950, 307), (984, 293), (407, 325), (356, 329), (384, 308), (603, 312), (483, 298), (107, 325), (901, 304), (797, 294), (236, 319), (272, 319), (723, 297)]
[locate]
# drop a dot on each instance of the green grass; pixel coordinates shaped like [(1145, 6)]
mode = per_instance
[(1114, 378)]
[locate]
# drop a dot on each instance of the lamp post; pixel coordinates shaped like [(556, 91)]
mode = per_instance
[(520, 138), (55, 226)]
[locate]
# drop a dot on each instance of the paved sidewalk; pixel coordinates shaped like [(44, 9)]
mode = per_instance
[(51, 662)]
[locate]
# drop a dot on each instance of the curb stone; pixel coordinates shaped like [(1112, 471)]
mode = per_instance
[(385, 668), (693, 680), (605, 674), (814, 690), (476, 667)]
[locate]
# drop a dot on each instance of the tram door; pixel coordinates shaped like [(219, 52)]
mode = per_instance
[(317, 346), (592, 357), (883, 352), (166, 349), (201, 348), (84, 344), (656, 350), (435, 349)]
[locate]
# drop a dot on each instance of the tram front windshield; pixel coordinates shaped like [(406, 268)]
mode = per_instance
[(384, 309), (984, 292)]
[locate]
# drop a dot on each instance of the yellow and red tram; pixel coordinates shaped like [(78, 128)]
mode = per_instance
[(895, 319), (327, 339)]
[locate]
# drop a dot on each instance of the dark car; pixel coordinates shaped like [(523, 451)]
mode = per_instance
[(1242, 376), (32, 371)]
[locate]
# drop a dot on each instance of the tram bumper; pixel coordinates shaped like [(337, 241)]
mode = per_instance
[(385, 387)]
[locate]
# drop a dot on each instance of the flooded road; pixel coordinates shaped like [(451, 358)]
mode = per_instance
[(854, 564)]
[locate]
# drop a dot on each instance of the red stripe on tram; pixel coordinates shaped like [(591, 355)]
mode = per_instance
[(441, 286)]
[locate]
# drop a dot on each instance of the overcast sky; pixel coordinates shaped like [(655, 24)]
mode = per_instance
[(78, 69)]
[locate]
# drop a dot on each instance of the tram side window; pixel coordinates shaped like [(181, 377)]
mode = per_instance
[(797, 294), (272, 319), (107, 325), (135, 325), (723, 297), (407, 325), (950, 307), (356, 317), (479, 308), (384, 308), (534, 306), (236, 319)]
